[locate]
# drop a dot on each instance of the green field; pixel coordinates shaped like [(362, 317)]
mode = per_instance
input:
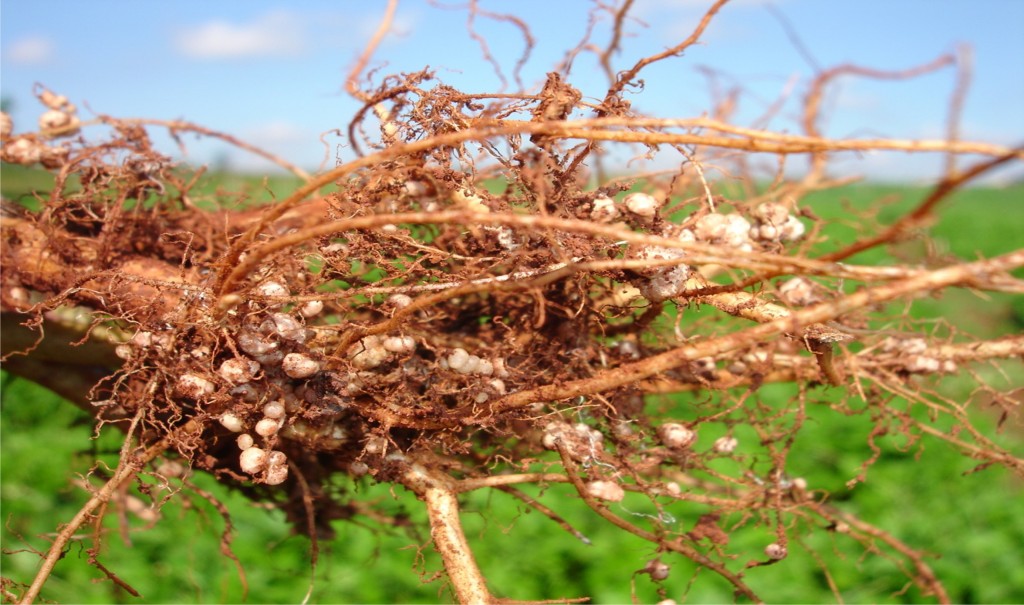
[(920, 495)]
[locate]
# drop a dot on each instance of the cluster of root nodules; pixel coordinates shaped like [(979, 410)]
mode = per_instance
[(474, 305)]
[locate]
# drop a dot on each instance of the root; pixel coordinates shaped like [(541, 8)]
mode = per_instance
[(476, 304), (127, 467), (446, 532)]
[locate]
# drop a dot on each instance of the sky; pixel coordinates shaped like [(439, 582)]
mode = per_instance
[(272, 72)]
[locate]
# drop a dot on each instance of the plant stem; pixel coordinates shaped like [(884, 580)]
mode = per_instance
[(446, 531)]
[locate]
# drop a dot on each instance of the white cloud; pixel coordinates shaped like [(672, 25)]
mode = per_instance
[(32, 50), (647, 7), (281, 138), (672, 21), (277, 133), (402, 26), (849, 98), (278, 33)]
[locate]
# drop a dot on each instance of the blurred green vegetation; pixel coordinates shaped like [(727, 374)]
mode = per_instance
[(31, 186), (919, 493)]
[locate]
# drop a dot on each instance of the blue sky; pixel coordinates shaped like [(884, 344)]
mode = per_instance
[(272, 72)]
